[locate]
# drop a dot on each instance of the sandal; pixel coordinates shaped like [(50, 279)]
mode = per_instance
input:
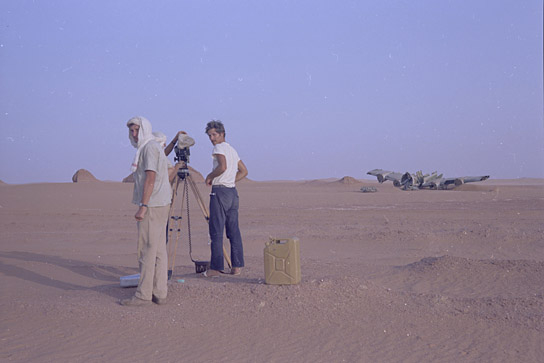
[(236, 271)]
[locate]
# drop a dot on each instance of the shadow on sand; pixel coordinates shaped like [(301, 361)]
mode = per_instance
[(98, 273)]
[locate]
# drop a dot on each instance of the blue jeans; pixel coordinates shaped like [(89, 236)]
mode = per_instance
[(224, 203)]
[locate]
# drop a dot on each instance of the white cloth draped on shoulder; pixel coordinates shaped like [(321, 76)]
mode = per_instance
[(145, 135)]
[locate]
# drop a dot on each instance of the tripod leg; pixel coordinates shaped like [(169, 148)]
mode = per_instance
[(204, 210), (174, 224), (171, 226), (199, 199)]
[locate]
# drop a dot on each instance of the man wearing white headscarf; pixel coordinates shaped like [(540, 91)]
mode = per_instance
[(153, 194)]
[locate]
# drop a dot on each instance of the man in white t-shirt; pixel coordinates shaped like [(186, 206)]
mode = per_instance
[(224, 201)]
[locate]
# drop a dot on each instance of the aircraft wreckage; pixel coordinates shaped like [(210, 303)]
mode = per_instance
[(418, 180)]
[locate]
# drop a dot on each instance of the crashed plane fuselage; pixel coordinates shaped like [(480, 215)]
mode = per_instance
[(418, 180)]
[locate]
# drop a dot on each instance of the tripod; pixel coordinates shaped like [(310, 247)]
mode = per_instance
[(183, 177)]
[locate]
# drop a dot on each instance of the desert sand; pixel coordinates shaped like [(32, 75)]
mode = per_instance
[(390, 276)]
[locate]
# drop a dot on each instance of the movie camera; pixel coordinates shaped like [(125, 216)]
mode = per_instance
[(182, 148)]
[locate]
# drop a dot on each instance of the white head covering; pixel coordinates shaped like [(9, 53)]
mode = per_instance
[(145, 135), (160, 138)]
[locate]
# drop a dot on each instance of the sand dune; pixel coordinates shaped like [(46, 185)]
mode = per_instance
[(348, 180), (83, 175), (391, 276)]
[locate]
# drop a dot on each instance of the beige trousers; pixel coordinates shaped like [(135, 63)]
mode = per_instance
[(152, 255)]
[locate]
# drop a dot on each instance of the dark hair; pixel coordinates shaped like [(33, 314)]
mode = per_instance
[(217, 125)]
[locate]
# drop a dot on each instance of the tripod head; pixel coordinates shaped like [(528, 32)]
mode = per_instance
[(183, 171)]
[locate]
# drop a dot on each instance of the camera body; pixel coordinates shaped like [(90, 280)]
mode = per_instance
[(182, 154), (182, 147)]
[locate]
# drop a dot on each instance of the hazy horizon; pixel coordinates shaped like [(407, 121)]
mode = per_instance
[(306, 89)]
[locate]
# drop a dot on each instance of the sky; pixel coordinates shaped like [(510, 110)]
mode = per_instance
[(307, 89)]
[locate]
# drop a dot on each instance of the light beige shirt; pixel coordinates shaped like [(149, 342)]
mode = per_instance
[(152, 158)]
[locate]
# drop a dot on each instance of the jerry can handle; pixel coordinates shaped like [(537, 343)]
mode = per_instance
[(273, 240)]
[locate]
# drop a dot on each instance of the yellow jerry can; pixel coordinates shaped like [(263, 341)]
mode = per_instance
[(282, 261)]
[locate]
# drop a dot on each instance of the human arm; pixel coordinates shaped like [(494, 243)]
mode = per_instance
[(149, 184), (172, 172), (242, 171), (219, 169), (168, 149)]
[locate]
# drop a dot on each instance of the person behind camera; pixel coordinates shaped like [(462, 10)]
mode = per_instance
[(224, 201), (168, 148), (153, 194), (161, 139)]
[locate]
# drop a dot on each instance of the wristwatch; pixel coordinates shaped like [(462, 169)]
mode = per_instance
[(143, 205)]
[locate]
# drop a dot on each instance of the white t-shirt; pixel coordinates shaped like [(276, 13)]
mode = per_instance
[(228, 177)]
